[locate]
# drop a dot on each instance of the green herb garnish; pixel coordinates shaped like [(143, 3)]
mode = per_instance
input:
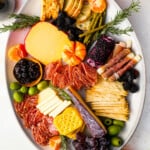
[(111, 26), (61, 93), (63, 142), (22, 21)]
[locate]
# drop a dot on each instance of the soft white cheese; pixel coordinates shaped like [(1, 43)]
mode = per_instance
[(60, 108)]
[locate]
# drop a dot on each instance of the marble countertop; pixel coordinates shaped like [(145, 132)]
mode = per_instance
[(141, 23), (11, 140)]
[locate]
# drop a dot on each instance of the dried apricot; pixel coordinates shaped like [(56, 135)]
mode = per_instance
[(17, 52), (98, 6)]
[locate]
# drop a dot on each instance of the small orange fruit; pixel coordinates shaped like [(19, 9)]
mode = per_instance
[(98, 6), (17, 52), (74, 54), (55, 143)]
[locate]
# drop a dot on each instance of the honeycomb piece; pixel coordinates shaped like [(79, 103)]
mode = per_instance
[(68, 121)]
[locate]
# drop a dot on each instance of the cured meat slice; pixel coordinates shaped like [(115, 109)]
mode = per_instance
[(44, 130), (23, 107), (51, 68), (78, 76), (41, 126), (32, 117), (90, 73)]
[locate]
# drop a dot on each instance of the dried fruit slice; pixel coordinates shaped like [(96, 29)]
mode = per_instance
[(74, 7), (68, 5), (85, 12), (98, 6), (16, 52), (61, 4), (84, 25), (78, 9), (55, 143)]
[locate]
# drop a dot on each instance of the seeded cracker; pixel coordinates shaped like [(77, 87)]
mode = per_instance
[(69, 121)]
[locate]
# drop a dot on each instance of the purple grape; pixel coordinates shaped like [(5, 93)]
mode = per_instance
[(92, 142), (78, 146), (80, 137)]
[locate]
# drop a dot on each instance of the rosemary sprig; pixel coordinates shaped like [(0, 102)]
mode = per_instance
[(22, 21), (117, 31), (120, 17)]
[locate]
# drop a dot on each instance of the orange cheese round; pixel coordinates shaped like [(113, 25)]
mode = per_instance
[(45, 42)]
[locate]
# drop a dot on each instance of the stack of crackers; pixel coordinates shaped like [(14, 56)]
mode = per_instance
[(108, 99)]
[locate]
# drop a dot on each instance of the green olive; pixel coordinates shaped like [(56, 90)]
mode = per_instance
[(42, 85), (114, 130), (107, 121), (116, 141), (14, 85), (119, 123), (24, 89), (18, 96), (32, 90)]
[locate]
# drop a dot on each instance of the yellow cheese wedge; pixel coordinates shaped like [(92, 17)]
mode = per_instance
[(45, 42)]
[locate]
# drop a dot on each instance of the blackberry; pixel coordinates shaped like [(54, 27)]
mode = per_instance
[(127, 86), (26, 71), (134, 88), (129, 75), (134, 73), (73, 33), (66, 24), (100, 52), (91, 142)]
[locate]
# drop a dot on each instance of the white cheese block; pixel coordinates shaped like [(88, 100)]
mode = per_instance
[(48, 92), (48, 105), (60, 108), (46, 112), (45, 101)]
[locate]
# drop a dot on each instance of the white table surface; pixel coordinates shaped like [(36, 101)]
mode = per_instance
[(13, 138)]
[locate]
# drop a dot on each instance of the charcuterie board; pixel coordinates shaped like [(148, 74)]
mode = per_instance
[(135, 100)]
